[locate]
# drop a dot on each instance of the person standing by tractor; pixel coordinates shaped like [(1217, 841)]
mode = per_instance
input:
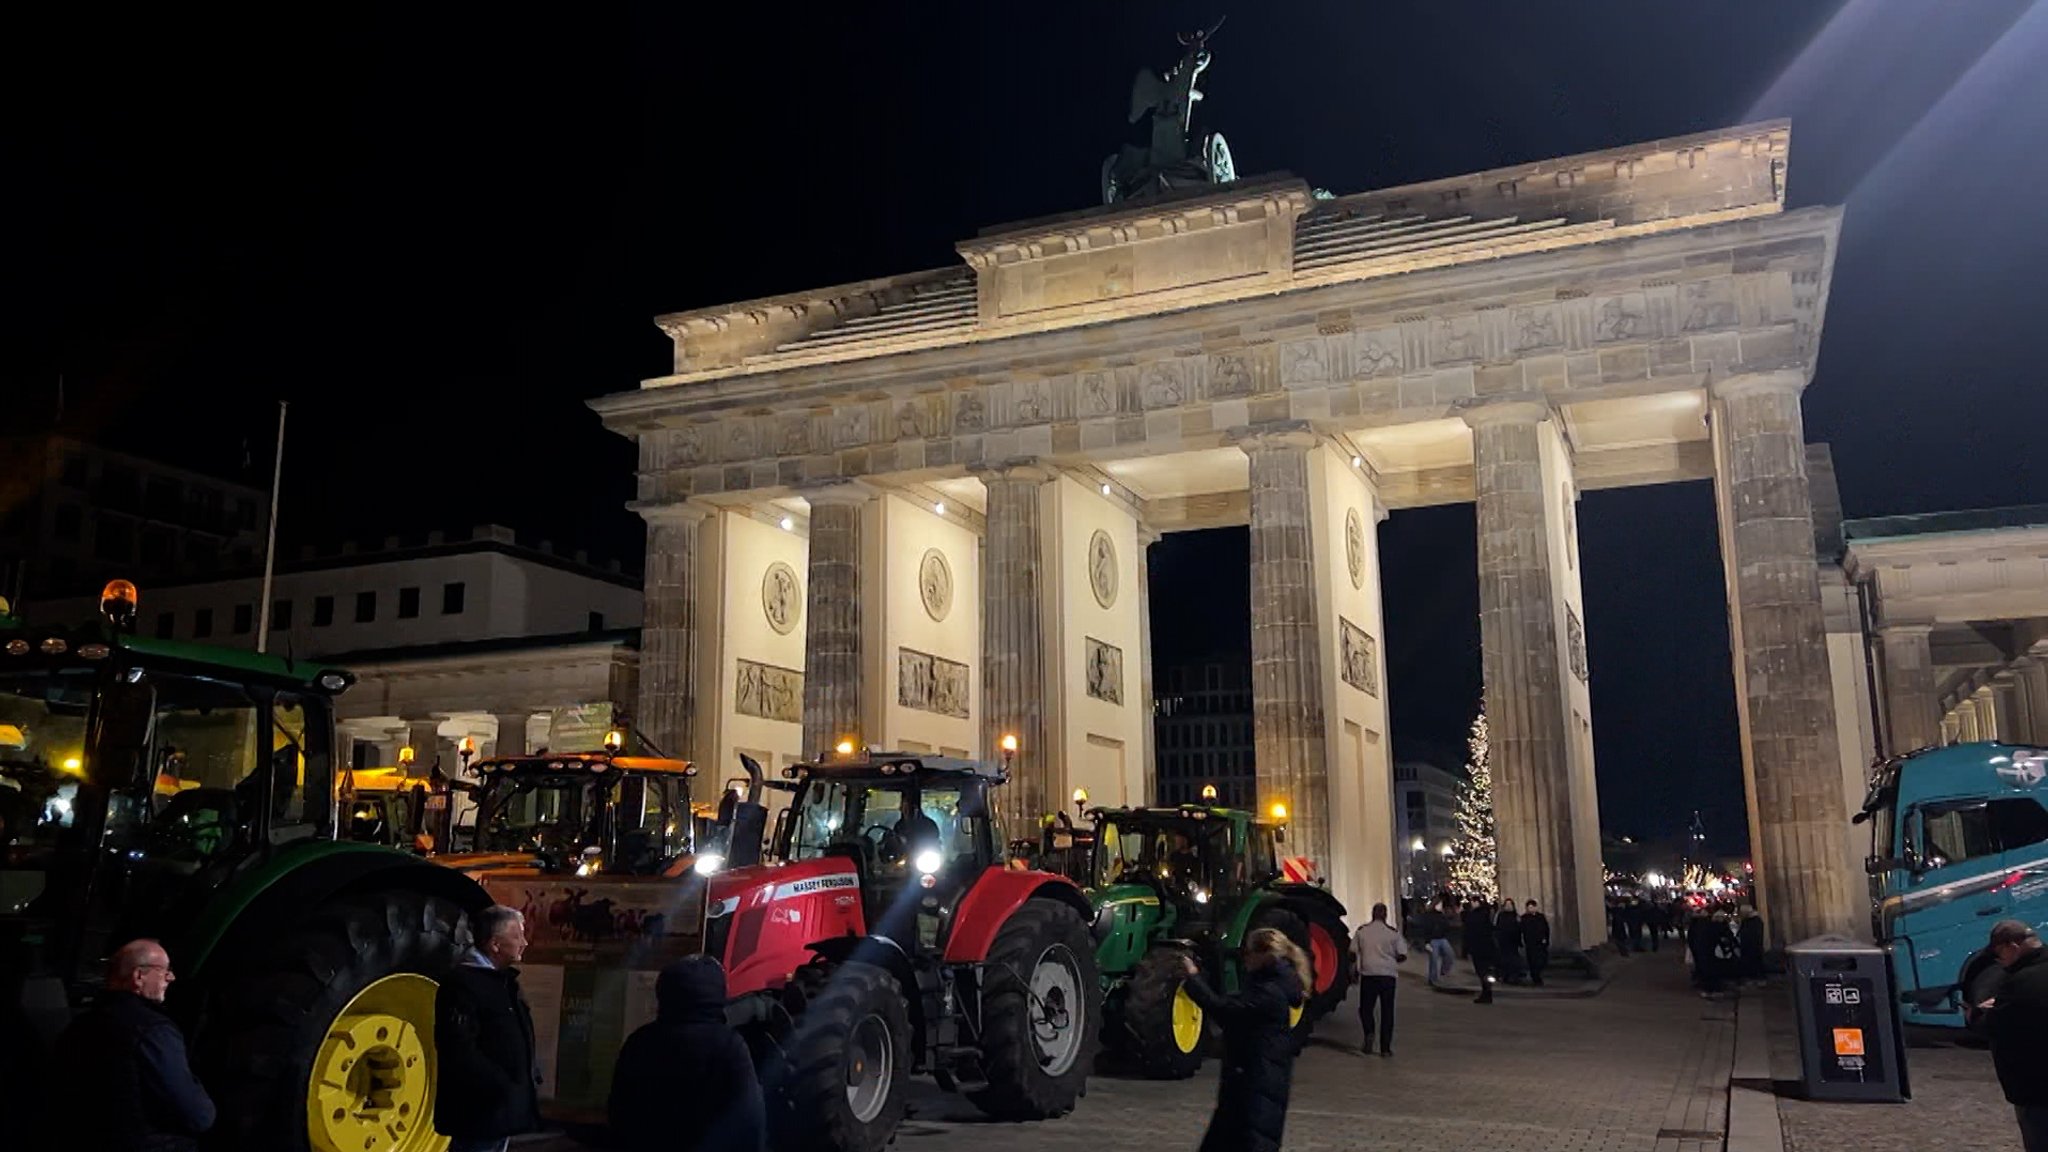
[(1259, 1045), (1507, 929), (125, 1061), (685, 1082), (1380, 950), (489, 1087)]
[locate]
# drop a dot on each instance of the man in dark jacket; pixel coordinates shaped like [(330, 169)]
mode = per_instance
[(685, 1082), (489, 1087), (1481, 947), (1536, 941), (2017, 1021), (125, 1063)]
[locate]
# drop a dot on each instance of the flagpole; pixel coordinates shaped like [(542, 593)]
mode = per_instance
[(270, 546)]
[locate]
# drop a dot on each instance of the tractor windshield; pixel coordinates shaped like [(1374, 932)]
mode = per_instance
[(884, 819), (42, 750), (1183, 855), (545, 815)]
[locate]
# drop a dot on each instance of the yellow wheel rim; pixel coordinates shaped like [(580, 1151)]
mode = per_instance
[(372, 1086), (1294, 1015), (1187, 1021)]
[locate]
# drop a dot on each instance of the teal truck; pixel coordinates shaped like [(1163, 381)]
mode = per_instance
[(189, 793), (1958, 842)]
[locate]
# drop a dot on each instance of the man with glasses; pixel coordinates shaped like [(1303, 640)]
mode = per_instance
[(2017, 1021), (126, 1060)]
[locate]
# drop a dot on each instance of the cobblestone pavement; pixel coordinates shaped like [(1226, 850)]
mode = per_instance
[(1641, 1067), (1956, 1102)]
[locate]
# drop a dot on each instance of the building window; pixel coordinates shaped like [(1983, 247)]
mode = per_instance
[(163, 499), (323, 611), (74, 471), (366, 607), (245, 618), (156, 546), (451, 598), (280, 615), (408, 603), (597, 621), (202, 623), (69, 519), (166, 623)]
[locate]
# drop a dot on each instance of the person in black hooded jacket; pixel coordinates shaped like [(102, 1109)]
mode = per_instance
[(1259, 1045), (685, 1081)]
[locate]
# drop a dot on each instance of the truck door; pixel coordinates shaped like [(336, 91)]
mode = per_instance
[(2021, 825), (1954, 887)]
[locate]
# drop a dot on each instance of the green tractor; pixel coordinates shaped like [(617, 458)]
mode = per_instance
[(1190, 882), (188, 793)]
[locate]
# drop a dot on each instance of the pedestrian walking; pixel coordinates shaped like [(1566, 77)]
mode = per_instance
[(684, 1081), (1637, 918), (1258, 1044), (1535, 941), (1481, 947), (1380, 950), (1437, 940), (1617, 925), (1749, 945), (1507, 931), (489, 1081), (124, 1065)]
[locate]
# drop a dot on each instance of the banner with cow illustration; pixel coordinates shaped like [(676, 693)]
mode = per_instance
[(594, 948)]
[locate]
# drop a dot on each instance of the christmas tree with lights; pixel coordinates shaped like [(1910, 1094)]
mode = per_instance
[(1474, 867)]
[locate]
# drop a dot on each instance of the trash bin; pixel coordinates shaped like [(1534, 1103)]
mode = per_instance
[(1850, 1045)]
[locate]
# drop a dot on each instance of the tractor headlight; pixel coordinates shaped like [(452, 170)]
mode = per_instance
[(929, 861), (1201, 895), (707, 864)]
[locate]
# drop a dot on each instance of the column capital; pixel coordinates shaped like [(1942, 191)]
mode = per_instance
[(1250, 438), (1758, 383), (670, 511), (1903, 631), (1520, 408), (1028, 469), (1147, 534), (840, 492)]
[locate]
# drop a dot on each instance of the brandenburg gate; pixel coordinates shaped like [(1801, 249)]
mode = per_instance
[(913, 512)]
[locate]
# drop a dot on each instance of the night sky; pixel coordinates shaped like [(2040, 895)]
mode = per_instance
[(436, 234)]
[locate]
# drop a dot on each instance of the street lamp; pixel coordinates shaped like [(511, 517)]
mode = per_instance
[(405, 756), (1080, 802), (1209, 792)]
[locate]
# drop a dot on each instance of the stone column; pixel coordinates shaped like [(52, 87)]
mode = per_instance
[(511, 738), (1147, 536), (1288, 737), (832, 631), (1785, 693), (1986, 707), (2033, 677), (1951, 728), (1013, 638), (1912, 710), (1519, 656), (665, 706), (2005, 706), (424, 738)]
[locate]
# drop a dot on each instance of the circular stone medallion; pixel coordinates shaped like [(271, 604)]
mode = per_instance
[(1102, 568), (935, 584), (782, 598), (1354, 547)]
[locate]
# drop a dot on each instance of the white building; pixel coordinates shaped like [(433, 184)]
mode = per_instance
[(1425, 824), (468, 635)]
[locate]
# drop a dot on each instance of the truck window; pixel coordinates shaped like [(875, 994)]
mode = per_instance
[(1953, 834), (2018, 823)]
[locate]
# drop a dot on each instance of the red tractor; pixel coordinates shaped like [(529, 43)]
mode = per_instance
[(894, 937)]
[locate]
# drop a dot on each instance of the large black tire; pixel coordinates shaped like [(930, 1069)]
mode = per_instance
[(1327, 938), (1149, 1034), (831, 1096), (266, 1024), (1041, 1014)]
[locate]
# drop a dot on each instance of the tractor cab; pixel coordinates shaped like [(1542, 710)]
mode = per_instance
[(383, 806), (919, 829), (586, 813), (138, 776)]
